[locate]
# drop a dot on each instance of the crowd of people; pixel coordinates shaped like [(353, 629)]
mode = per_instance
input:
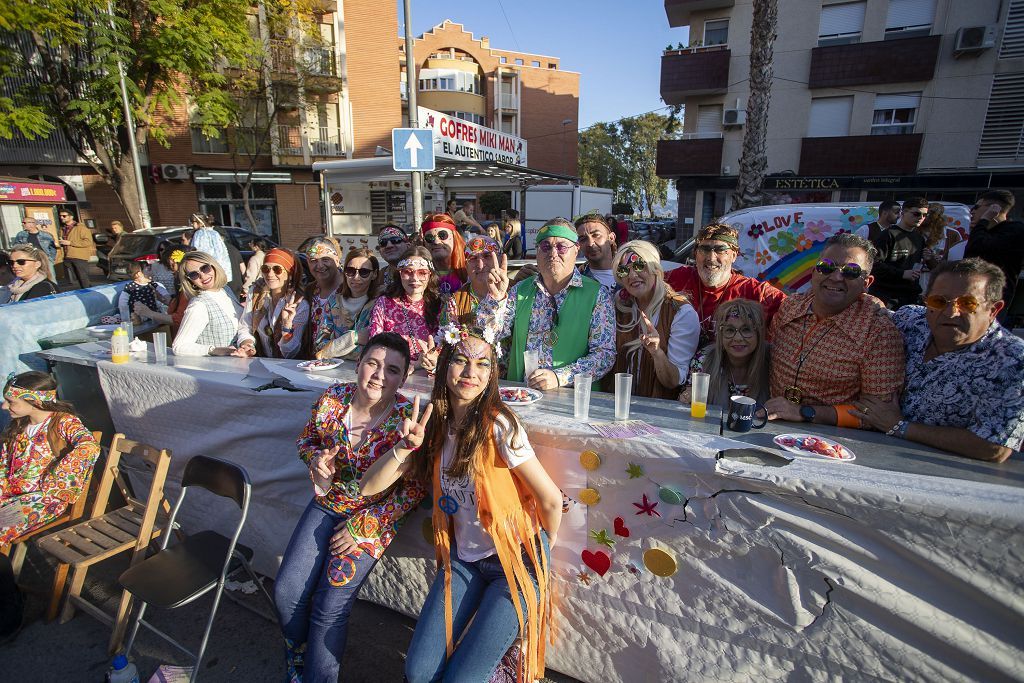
[(866, 347)]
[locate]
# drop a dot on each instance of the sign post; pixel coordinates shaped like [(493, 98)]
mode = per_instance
[(411, 80)]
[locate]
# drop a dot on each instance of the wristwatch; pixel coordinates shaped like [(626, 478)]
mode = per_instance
[(807, 413)]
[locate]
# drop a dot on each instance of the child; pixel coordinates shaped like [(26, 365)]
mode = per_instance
[(142, 290)]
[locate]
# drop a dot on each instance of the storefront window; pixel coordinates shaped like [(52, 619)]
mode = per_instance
[(224, 201)]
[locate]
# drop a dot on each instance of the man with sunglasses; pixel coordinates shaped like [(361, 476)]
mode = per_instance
[(597, 242), (567, 318), (40, 239), (901, 252), (834, 344), (965, 372), (712, 281), (78, 248), (997, 239), (392, 243)]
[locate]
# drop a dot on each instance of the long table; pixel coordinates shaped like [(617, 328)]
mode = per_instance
[(902, 565)]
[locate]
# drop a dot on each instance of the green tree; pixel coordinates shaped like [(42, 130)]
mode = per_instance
[(493, 203), (601, 158), (640, 135)]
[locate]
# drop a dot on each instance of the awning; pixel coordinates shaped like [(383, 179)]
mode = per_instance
[(491, 174), (26, 190)]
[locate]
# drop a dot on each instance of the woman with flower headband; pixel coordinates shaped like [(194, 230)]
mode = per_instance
[(411, 307), (488, 274), (276, 314), (327, 334), (446, 246), (656, 329), (496, 515)]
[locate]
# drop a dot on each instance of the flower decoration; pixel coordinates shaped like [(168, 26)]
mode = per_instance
[(816, 231), (802, 243), (453, 334), (782, 243), (763, 257)]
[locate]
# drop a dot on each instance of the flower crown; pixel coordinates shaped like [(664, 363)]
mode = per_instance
[(453, 334)]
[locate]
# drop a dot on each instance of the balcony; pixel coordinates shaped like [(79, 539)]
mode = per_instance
[(885, 61), (316, 64), (694, 156), (678, 11), (328, 142), (54, 149), (507, 101), (860, 155), (694, 71)]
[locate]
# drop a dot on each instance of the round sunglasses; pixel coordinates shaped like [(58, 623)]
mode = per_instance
[(435, 236), (851, 271), (276, 269), (194, 275)]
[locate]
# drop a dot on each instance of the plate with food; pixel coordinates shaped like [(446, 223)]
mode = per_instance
[(101, 330), (319, 365), (519, 396), (814, 446)]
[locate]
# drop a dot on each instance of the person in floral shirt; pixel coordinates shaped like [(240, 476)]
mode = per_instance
[(342, 534), (412, 307)]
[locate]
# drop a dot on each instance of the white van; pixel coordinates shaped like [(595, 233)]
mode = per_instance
[(782, 243)]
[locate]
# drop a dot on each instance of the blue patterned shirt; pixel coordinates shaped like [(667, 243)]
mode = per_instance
[(600, 357), (979, 388)]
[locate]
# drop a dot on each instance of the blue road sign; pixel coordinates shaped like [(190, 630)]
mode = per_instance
[(412, 149)]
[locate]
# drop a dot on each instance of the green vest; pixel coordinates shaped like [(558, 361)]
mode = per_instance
[(573, 329)]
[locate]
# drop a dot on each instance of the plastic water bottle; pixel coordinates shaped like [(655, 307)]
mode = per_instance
[(122, 670), (119, 346)]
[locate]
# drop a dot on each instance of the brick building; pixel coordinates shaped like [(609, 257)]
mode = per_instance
[(872, 100)]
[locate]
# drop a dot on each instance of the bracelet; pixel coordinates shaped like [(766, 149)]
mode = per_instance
[(288, 330), (394, 453), (899, 430)]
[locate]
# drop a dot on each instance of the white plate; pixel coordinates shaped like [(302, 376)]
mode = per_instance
[(799, 445), (101, 330), (318, 365), (533, 394)]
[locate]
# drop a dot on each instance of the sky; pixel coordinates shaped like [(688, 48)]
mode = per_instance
[(615, 46)]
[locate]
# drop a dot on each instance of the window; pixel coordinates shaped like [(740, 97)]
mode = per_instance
[(895, 114), (709, 120), (552, 65), (467, 116), (909, 18), (535, 63), (1002, 138), (841, 24), (519, 62), (204, 145), (830, 117), (503, 60), (1013, 32), (449, 80), (716, 32)]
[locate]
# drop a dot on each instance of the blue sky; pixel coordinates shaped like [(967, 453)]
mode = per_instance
[(615, 45)]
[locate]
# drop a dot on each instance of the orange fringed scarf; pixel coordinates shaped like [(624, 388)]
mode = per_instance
[(508, 512)]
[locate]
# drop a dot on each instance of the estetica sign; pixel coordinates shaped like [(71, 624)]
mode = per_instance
[(465, 141)]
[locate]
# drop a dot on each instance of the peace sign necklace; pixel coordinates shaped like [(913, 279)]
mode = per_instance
[(793, 393)]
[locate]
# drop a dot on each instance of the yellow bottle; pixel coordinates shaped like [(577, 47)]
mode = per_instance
[(119, 346)]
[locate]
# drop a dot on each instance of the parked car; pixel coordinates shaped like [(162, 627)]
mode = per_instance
[(145, 245)]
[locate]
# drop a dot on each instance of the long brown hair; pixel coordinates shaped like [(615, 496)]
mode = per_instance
[(477, 425), (360, 252), (933, 227), (432, 301), (716, 363), (37, 381)]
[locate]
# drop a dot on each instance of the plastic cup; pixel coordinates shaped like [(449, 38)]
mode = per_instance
[(623, 394), (160, 347), (531, 361), (581, 396), (129, 329), (699, 383)]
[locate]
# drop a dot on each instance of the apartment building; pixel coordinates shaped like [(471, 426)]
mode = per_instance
[(872, 99), (526, 95)]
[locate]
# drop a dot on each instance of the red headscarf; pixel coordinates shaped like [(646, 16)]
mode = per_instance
[(457, 260)]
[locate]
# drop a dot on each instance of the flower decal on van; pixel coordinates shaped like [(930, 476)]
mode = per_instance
[(817, 231), (763, 257), (782, 243), (802, 243)]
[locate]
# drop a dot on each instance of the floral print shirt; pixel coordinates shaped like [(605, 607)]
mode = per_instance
[(372, 520), (979, 388), (404, 317), (600, 357), (29, 479), (325, 327)]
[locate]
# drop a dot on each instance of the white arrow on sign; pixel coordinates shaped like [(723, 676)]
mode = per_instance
[(413, 145)]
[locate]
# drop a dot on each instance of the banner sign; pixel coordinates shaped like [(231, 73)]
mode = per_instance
[(31, 192), (466, 141)]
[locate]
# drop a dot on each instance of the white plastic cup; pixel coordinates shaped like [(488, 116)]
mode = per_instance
[(129, 329), (700, 382), (581, 396), (160, 347), (531, 361), (623, 394)]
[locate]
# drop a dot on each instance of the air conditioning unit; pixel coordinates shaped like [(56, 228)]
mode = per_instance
[(734, 117), (974, 39), (174, 171)]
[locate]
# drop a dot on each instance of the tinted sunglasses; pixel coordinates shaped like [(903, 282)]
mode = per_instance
[(389, 241), (410, 272), (561, 247), (278, 270), (361, 272), (851, 271), (23, 261), (639, 266), (964, 304), (435, 236), (717, 248), (204, 269)]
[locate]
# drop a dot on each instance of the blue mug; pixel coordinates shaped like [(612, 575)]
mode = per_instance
[(742, 411)]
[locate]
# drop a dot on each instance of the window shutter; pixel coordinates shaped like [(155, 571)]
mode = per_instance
[(841, 19), (901, 101), (830, 117), (1013, 32), (709, 118), (906, 13), (1002, 138)]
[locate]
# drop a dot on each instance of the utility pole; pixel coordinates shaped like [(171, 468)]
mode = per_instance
[(410, 89)]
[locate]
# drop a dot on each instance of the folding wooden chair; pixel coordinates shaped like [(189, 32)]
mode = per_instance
[(106, 534), (73, 513)]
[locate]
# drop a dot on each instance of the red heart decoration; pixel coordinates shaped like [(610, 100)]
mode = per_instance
[(620, 528), (597, 560), (844, 211)]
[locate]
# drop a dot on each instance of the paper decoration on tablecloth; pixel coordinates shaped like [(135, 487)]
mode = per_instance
[(598, 561), (601, 538), (634, 471), (590, 460), (647, 507), (590, 497), (628, 429), (620, 528), (670, 496), (660, 562), (584, 578)]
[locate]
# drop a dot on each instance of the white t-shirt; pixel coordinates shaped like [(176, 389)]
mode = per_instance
[(473, 543), (605, 277)]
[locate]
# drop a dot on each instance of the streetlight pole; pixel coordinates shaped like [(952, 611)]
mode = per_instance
[(410, 90)]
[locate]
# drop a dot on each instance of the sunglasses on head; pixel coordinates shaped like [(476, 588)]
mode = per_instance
[(278, 270), (435, 236), (23, 261), (964, 304), (389, 241), (851, 271), (361, 272), (561, 247), (204, 269), (717, 248), (411, 272), (639, 266)]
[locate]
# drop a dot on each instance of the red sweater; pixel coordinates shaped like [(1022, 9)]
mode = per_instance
[(705, 300)]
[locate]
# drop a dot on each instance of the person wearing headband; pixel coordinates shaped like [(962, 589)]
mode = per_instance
[(597, 244), (412, 307), (206, 239), (392, 243), (566, 318), (329, 332), (276, 314), (486, 267), (447, 248), (712, 281)]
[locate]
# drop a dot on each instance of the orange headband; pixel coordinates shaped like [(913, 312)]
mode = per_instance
[(280, 257)]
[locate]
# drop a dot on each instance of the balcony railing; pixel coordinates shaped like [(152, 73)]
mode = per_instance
[(907, 60), (317, 61), (328, 142), (702, 71), (702, 156), (507, 101)]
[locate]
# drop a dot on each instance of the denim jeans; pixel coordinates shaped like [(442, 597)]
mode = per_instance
[(311, 608), (479, 592)]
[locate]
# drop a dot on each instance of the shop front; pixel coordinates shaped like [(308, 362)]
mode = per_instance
[(21, 197)]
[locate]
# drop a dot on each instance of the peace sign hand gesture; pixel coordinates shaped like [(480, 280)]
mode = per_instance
[(497, 278), (429, 353), (414, 427), (321, 469), (649, 336), (288, 312)]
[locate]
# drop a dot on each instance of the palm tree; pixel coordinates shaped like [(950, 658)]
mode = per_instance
[(754, 158)]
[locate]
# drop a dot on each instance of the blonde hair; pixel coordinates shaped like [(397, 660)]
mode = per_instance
[(716, 361), (648, 253), (37, 254), (219, 280), (933, 227)]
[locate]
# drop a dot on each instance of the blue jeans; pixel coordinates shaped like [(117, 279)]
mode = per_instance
[(311, 608), (479, 592)]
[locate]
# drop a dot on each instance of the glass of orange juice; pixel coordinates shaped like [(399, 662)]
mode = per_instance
[(699, 384)]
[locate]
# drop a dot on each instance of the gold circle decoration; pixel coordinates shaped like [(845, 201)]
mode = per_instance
[(660, 562), (590, 460), (590, 497)]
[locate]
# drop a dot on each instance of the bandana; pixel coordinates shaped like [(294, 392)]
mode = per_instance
[(322, 248), (281, 258), (724, 237), (177, 255), (437, 225), (415, 262), (481, 245), (557, 231), (392, 232), (30, 395), (591, 217)]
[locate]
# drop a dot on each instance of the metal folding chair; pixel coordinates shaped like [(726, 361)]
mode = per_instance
[(201, 563)]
